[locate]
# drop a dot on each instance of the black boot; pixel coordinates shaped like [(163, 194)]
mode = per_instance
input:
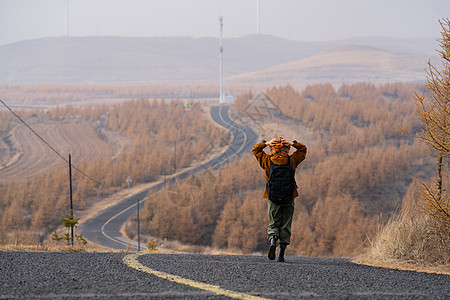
[(280, 257), (272, 248)]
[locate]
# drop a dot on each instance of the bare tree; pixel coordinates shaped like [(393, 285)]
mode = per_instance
[(433, 110)]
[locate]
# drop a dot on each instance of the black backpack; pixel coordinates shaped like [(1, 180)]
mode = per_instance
[(281, 184)]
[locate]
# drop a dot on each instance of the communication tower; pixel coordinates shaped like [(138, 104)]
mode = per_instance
[(221, 96)]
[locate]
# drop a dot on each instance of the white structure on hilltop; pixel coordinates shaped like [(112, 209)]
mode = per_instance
[(66, 4), (257, 17)]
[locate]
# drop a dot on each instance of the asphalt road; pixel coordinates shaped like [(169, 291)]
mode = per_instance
[(47, 275), (105, 228)]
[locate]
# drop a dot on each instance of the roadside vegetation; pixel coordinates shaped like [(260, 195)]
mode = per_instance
[(419, 235)]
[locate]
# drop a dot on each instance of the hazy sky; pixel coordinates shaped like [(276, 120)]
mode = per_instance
[(308, 20)]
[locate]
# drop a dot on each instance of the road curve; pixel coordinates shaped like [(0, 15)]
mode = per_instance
[(104, 229), (47, 275)]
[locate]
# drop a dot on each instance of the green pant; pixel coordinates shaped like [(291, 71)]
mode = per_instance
[(280, 220)]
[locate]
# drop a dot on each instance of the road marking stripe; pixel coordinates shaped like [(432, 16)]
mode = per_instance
[(131, 260), (231, 125), (115, 216)]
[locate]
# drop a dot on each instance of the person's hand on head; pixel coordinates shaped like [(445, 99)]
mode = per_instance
[(271, 142), (286, 142)]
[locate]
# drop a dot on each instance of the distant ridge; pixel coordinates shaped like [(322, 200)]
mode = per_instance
[(187, 60), (342, 65)]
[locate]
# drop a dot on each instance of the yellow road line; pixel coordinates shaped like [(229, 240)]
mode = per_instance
[(231, 125), (131, 260), (115, 216)]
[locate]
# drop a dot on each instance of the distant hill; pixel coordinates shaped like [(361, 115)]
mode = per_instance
[(186, 60), (347, 64)]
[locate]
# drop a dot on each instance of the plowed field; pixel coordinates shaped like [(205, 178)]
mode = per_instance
[(32, 156)]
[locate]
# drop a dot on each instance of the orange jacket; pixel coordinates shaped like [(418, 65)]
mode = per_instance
[(265, 160)]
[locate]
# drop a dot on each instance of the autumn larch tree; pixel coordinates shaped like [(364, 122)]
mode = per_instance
[(433, 110)]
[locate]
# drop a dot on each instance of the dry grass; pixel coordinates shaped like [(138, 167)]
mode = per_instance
[(51, 248), (173, 246), (179, 247), (50, 245), (410, 241)]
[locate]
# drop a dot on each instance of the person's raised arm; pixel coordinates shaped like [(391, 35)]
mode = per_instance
[(300, 153), (258, 152)]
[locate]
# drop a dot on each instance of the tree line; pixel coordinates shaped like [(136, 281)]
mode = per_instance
[(49, 95)]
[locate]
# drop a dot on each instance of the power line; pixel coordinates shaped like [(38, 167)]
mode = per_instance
[(48, 145)]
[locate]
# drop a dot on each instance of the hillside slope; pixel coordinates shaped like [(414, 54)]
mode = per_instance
[(347, 64)]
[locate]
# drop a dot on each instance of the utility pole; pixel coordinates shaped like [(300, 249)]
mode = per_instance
[(71, 203), (138, 227)]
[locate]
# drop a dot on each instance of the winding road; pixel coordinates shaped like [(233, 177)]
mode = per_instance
[(104, 229)]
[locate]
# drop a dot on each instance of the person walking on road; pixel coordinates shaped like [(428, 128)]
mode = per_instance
[(280, 211)]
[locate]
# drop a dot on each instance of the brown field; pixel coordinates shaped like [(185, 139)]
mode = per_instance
[(28, 155)]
